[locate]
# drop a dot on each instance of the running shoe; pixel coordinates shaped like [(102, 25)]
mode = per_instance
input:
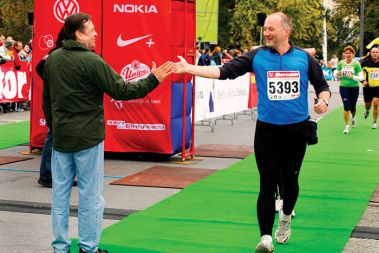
[(265, 245), (374, 125), (353, 123), (346, 130), (365, 114), (283, 232)]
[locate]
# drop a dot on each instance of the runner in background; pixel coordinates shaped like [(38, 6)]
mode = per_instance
[(370, 84), (350, 73)]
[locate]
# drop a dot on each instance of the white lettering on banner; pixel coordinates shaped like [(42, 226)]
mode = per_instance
[(134, 8), (42, 122), (21, 81), (120, 124), (12, 84)]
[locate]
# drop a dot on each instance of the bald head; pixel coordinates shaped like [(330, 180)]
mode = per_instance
[(285, 21)]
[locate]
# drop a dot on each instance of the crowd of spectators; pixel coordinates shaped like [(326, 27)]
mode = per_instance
[(217, 56), (15, 51)]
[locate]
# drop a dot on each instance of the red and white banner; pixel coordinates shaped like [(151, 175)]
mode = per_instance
[(135, 34), (131, 34), (14, 84)]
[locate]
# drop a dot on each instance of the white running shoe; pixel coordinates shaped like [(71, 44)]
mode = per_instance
[(283, 232), (374, 125), (265, 245), (353, 123), (365, 114), (346, 130)]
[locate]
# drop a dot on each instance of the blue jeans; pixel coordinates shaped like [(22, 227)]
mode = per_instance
[(88, 166), (45, 167)]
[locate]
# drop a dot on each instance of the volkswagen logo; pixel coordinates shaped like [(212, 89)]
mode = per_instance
[(64, 8)]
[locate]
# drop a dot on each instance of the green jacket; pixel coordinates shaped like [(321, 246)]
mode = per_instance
[(75, 81)]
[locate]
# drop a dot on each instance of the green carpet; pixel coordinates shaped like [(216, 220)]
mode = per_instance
[(14, 134), (218, 214)]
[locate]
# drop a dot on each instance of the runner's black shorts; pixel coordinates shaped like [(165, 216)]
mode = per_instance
[(369, 93)]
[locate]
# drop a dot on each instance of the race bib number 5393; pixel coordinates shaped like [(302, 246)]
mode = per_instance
[(283, 85)]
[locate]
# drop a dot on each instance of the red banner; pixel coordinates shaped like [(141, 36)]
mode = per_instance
[(15, 84), (49, 17), (141, 34), (130, 35)]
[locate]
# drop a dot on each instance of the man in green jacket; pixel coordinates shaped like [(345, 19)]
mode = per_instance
[(76, 79)]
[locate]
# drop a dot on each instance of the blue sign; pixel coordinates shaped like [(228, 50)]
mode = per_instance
[(328, 73)]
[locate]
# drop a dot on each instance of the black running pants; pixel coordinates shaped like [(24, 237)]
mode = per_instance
[(279, 152)]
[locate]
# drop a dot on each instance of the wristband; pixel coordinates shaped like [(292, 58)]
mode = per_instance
[(327, 104)]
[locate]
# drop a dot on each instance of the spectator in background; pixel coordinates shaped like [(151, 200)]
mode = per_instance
[(322, 64), (18, 53), (226, 55), (2, 39), (27, 55), (6, 50), (198, 53), (216, 55), (45, 178), (205, 58), (237, 53), (334, 63)]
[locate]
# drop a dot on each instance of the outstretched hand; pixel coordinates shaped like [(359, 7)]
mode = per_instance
[(163, 71), (180, 66)]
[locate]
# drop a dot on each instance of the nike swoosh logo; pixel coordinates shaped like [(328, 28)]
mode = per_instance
[(124, 43)]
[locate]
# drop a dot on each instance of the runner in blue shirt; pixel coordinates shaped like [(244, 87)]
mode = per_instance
[(282, 74)]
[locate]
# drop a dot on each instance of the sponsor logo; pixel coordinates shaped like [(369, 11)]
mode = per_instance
[(135, 8), (120, 124), (124, 43), (45, 42), (135, 71), (117, 103), (64, 8)]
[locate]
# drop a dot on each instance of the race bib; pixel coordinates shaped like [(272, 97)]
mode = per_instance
[(283, 85), (347, 70), (374, 75)]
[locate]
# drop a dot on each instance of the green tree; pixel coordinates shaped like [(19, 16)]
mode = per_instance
[(243, 30), (345, 24), (14, 19)]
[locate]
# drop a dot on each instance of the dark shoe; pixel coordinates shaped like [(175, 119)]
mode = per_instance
[(45, 183), (98, 251)]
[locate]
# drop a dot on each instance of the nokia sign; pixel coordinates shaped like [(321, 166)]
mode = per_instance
[(135, 8)]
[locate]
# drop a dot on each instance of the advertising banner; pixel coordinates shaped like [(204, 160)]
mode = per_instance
[(135, 34), (14, 84), (215, 98)]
